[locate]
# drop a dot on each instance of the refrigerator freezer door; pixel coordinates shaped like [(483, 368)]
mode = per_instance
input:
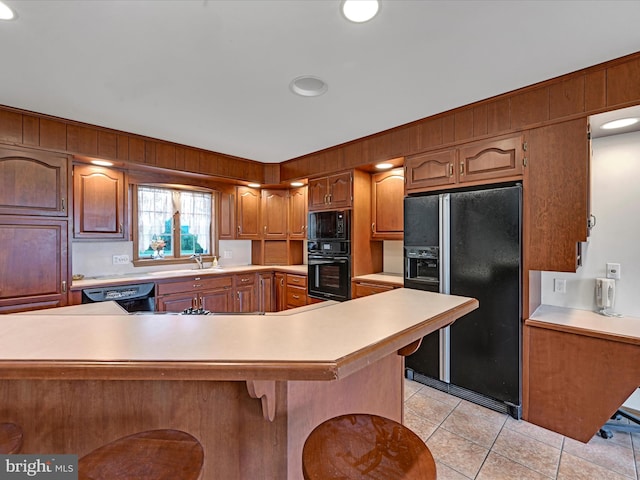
[(485, 264), (421, 221)]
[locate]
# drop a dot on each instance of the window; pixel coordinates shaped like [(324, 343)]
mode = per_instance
[(168, 217)]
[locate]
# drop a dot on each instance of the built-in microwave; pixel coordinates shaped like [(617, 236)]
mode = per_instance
[(331, 225)]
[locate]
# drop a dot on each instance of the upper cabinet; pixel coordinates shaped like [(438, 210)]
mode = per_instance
[(98, 203), (33, 183), (387, 203), (332, 192), (274, 214), (495, 159), (249, 226), (298, 213), (557, 201)]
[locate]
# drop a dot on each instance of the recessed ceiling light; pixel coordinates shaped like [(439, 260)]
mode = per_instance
[(6, 13), (623, 122), (254, 185), (102, 163), (297, 184), (360, 11), (384, 166), (308, 86)]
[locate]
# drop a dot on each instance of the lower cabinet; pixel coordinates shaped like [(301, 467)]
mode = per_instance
[(296, 290), (246, 293), (280, 291), (361, 288), (267, 293), (214, 294)]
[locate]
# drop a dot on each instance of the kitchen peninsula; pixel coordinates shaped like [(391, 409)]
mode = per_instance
[(249, 387)]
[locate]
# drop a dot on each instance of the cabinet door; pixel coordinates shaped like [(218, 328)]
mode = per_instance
[(177, 303), (246, 300), (296, 296), (227, 216), (280, 292), (298, 213), (217, 301), (275, 213), (318, 194), (489, 159), (387, 205), (339, 188), (248, 213), (557, 190), (98, 202), (430, 170), (33, 263), (267, 294), (363, 289), (33, 183)]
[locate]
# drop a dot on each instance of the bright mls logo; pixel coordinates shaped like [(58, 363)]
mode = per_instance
[(49, 467)]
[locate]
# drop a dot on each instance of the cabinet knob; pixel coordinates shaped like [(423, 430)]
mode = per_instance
[(461, 168), (373, 228), (451, 169)]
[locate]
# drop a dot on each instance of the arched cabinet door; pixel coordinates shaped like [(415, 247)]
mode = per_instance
[(33, 183)]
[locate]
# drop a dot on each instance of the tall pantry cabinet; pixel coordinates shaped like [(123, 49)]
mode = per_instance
[(34, 228)]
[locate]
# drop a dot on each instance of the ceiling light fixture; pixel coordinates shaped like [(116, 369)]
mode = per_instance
[(102, 163), (623, 122), (308, 86), (384, 166), (6, 13), (360, 11), (254, 185)]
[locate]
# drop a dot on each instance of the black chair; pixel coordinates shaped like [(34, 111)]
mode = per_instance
[(615, 424)]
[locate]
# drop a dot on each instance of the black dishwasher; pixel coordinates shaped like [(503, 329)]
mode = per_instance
[(139, 297)]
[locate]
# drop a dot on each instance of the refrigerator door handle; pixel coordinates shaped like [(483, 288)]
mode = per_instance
[(445, 281)]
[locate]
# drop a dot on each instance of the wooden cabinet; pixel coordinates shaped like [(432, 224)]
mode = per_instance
[(432, 169), (332, 192), (296, 290), (486, 161), (33, 183), (274, 214), (387, 205), (267, 294), (98, 203), (248, 214), (557, 195), (227, 216), (246, 292), (363, 288), (33, 263), (298, 213), (213, 293), (490, 159), (280, 291)]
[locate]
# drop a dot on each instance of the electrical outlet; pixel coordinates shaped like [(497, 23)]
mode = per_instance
[(559, 285), (120, 259), (613, 270), (227, 254)]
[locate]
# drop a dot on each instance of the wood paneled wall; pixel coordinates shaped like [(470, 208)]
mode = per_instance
[(608, 86)]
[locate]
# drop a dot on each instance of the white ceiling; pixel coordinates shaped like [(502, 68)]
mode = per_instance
[(215, 74)]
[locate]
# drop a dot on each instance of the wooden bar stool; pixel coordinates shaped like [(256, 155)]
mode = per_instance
[(10, 438), (150, 455), (362, 446)]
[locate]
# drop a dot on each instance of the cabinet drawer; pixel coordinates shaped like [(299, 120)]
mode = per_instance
[(297, 280), (195, 283), (365, 289), (296, 296), (243, 279)]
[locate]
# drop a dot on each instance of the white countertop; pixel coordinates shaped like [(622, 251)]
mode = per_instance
[(588, 322), (383, 277), (312, 343), (89, 282)]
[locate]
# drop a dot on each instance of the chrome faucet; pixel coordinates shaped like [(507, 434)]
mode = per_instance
[(198, 258)]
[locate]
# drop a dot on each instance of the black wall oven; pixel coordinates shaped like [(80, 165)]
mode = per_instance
[(329, 255)]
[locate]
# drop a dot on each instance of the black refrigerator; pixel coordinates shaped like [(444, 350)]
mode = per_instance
[(469, 243)]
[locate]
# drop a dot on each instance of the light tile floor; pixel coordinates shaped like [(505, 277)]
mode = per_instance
[(469, 441)]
